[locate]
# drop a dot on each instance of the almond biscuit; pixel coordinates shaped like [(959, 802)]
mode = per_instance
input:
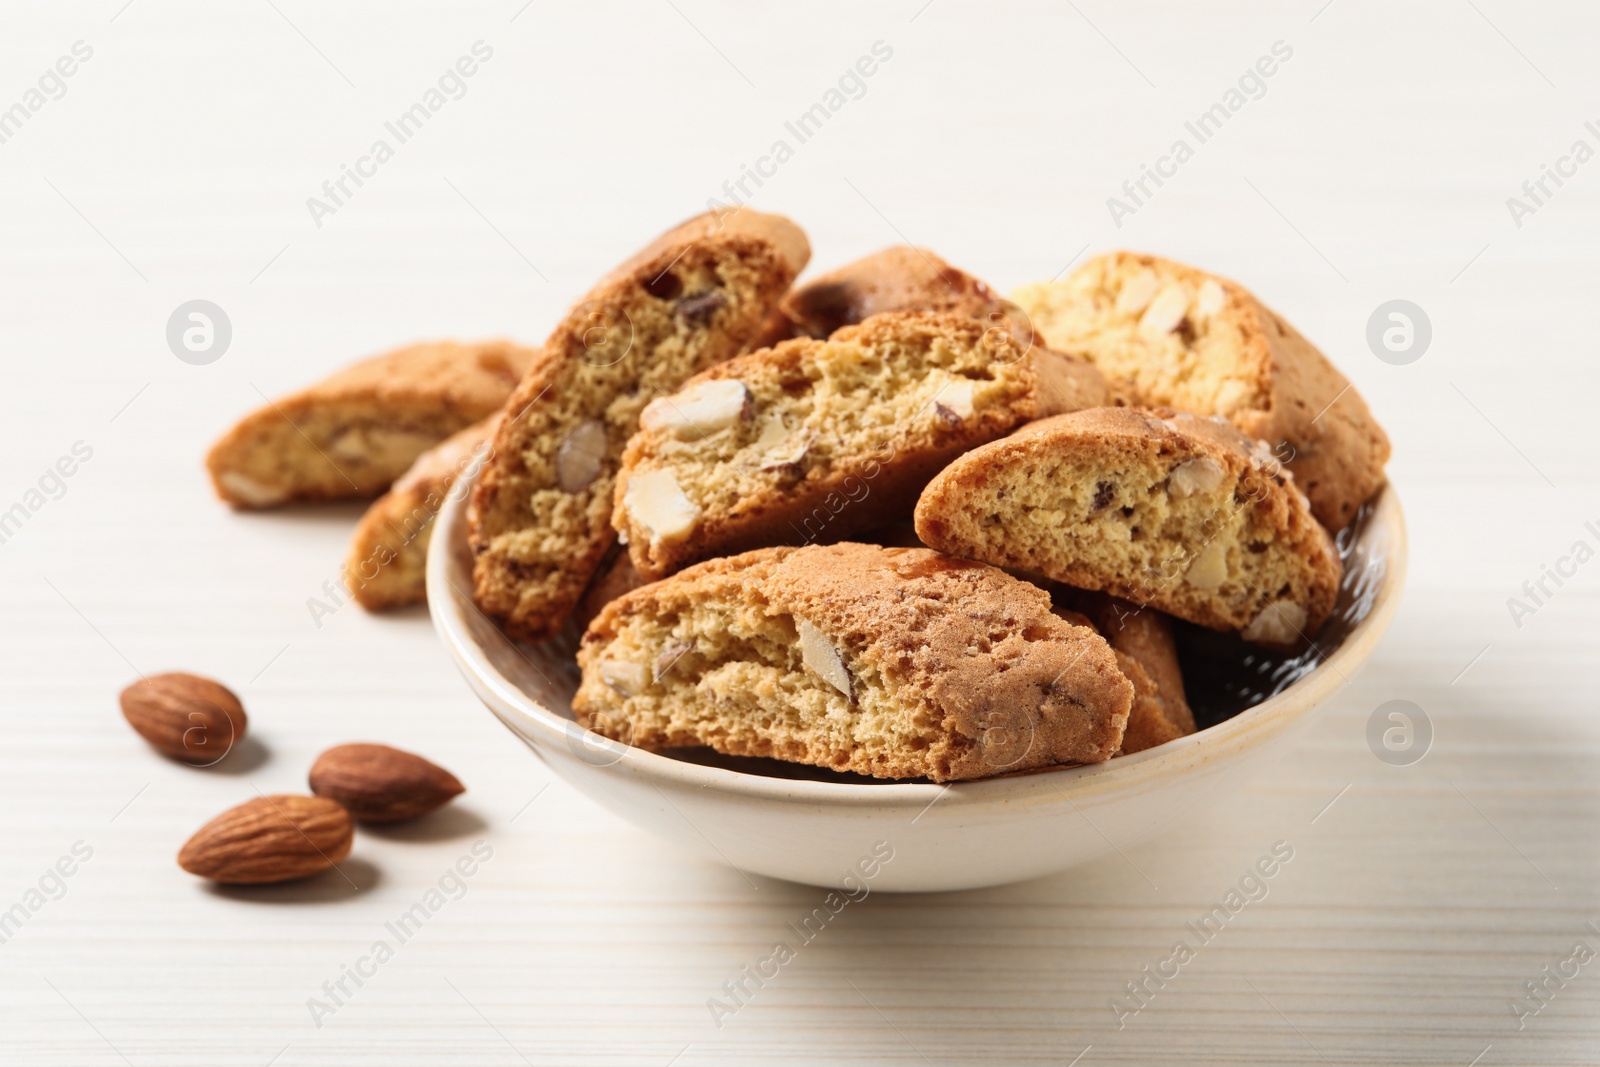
[(1170, 510), (893, 662), (815, 439), (388, 553), (1170, 335), (355, 432), (902, 278), (540, 521), (1143, 637)]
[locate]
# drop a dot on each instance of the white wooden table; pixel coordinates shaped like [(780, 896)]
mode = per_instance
[(176, 164)]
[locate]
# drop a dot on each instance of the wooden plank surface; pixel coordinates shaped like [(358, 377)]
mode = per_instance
[(1375, 164)]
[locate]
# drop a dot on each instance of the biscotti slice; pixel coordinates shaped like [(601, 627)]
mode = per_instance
[(540, 522), (902, 278), (1181, 513), (388, 553), (1142, 639), (355, 432), (1145, 635), (1148, 725), (1170, 335), (893, 662), (815, 439)]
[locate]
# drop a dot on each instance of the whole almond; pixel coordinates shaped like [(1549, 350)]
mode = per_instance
[(381, 784), (270, 839), (185, 716)]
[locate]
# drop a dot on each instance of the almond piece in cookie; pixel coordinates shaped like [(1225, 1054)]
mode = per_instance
[(354, 433), (902, 278), (817, 439), (893, 662), (1175, 511), (388, 553), (540, 522), (1170, 335)]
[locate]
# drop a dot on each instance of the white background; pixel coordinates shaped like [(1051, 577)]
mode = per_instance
[(177, 166)]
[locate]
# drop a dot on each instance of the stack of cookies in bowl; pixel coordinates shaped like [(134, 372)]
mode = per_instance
[(883, 522)]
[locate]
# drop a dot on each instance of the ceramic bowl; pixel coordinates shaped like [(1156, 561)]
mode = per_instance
[(810, 826)]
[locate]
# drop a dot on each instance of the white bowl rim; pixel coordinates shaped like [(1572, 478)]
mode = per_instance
[(1240, 732)]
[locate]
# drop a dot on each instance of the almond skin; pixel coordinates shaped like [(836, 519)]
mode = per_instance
[(185, 716), (379, 784), (270, 839)]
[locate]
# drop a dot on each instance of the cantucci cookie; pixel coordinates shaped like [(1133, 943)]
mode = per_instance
[(355, 432), (1145, 635), (1174, 511), (893, 662), (389, 549), (816, 438), (1141, 636), (902, 278), (1169, 335), (1148, 725), (540, 522)]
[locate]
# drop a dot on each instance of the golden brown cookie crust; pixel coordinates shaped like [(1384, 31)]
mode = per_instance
[(1256, 370), (1142, 640), (916, 665), (1148, 724), (539, 524), (901, 278), (387, 559), (1162, 508), (355, 432), (1146, 635)]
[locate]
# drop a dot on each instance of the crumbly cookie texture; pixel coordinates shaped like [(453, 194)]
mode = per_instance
[(1169, 335), (893, 662), (540, 522), (1170, 510), (902, 278), (388, 553), (355, 432), (816, 439), (1141, 636)]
